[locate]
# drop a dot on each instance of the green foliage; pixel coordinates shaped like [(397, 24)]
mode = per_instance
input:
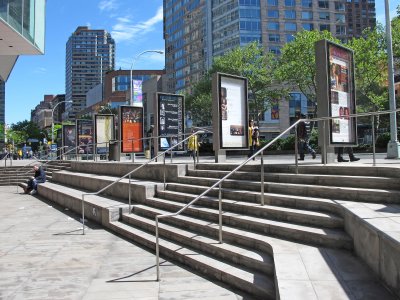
[(382, 140), (371, 69), (259, 68), (297, 66), (250, 62)]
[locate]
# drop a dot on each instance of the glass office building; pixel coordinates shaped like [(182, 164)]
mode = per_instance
[(90, 53), (22, 31), (195, 31)]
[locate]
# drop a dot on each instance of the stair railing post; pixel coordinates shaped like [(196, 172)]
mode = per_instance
[(296, 149), (373, 140), (324, 142), (129, 188), (164, 169), (157, 251), (220, 212), (83, 214), (262, 178), (133, 153)]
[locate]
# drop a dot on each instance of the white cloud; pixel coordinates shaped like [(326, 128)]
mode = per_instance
[(40, 70), (126, 30), (107, 5)]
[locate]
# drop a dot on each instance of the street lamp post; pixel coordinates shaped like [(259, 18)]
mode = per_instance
[(52, 118), (134, 60), (393, 145)]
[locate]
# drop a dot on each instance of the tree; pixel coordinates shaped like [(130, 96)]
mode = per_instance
[(250, 62), (199, 103), (370, 69), (297, 66), (259, 68), (28, 129), (396, 37)]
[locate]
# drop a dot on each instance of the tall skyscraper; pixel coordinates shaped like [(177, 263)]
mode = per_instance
[(196, 31), (90, 53), (360, 14)]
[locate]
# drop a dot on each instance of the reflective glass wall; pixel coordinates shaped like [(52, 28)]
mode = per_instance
[(27, 17)]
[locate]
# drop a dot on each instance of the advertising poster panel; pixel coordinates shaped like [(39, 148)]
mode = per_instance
[(171, 118), (68, 137), (233, 112), (84, 136), (131, 124), (341, 95), (104, 132), (137, 93)]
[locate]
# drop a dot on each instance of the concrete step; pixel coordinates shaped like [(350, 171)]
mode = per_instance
[(333, 192), (252, 259), (348, 170), (291, 201), (333, 238), (244, 207), (368, 182), (255, 284)]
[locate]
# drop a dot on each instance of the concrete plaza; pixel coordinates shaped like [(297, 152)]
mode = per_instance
[(43, 255)]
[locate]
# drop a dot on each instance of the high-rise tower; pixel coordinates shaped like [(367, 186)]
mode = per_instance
[(90, 53)]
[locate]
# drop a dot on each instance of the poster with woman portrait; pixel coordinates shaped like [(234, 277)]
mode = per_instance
[(341, 94)]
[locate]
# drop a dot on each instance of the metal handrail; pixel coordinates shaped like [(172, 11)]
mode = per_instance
[(260, 151), (129, 174)]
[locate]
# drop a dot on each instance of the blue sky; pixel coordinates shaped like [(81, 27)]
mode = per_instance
[(136, 25)]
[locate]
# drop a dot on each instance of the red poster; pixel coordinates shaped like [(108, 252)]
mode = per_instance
[(131, 129)]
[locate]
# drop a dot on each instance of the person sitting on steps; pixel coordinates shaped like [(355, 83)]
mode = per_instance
[(38, 177), (349, 151)]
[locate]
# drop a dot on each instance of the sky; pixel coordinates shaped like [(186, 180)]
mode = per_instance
[(135, 25)]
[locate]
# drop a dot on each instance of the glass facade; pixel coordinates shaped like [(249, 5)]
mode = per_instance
[(2, 111), (27, 17), (89, 55)]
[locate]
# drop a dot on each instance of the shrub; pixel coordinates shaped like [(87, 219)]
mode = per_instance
[(382, 140)]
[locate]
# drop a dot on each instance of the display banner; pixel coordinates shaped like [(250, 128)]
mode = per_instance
[(341, 94), (131, 124), (171, 120), (233, 112), (104, 132), (68, 137), (84, 135), (137, 93)]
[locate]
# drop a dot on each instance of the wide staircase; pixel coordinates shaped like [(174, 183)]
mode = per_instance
[(302, 212), (15, 175)]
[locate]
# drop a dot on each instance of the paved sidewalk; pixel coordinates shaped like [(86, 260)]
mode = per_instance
[(43, 255)]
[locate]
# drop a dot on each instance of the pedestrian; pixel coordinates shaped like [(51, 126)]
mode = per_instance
[(349, 151), (193, 145), (38, 177), (303, 137), (255, 139), (251, 128)]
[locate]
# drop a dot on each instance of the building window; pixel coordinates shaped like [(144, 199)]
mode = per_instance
[(273, 26), (273, 13), (290, 14), (275, 50), (340, 30), (306, 15), (290, 3), (324, 16), (289, 38), (306, 3), (323, 27), (274, 37), (323, 4), (272, 2), (339, 6), (340, 18), (308, 26), (290, 27)]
